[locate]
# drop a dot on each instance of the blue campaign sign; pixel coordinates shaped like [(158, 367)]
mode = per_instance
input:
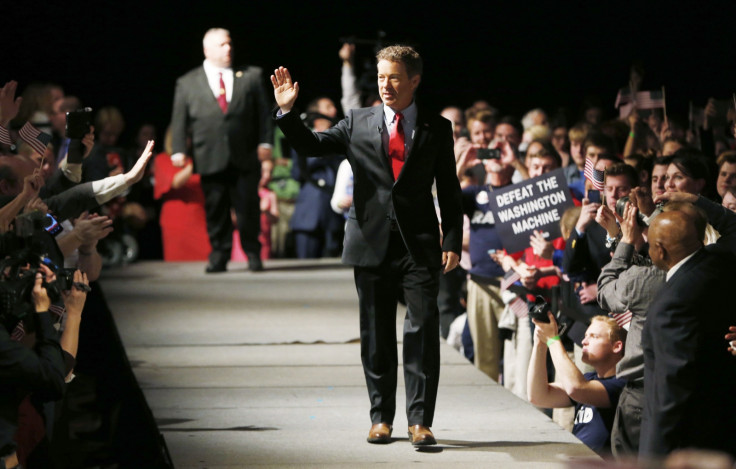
[(533, 204)]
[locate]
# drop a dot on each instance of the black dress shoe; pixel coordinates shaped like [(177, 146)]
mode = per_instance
[(215, 268), (255, 264)]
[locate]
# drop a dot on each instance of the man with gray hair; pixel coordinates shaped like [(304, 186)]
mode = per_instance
[(226, 109)]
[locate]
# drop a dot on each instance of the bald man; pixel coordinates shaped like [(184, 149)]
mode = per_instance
[(689, 378)]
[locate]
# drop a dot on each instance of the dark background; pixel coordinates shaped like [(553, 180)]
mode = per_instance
[(517, 55)]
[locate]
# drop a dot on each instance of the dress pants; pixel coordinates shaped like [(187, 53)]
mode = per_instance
[(627, 422), (485, 308), (238, 190), (378, 290)]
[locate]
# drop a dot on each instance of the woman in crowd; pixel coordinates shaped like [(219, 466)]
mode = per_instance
[(183, 225)]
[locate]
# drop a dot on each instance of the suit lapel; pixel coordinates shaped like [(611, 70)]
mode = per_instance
[(204, 86), (375, 121), (421, 131), (238, 89)]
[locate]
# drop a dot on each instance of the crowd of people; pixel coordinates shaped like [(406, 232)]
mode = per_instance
[(635, 331)]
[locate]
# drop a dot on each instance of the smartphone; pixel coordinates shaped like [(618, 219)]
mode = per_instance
[(489, 154), (594, 197), (52, 225), (78, 123)]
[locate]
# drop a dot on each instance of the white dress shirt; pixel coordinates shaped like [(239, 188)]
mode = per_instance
[(213, 78)]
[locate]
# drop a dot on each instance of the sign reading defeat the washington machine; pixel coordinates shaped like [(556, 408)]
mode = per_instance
[(533, 204)]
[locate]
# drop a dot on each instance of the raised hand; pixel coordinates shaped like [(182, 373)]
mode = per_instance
[(136, 172), (9, 104), (90, 228), (630, 229), (284, 90), (541, 246), (607, 219), (88, 141), (347, 52), (75, 297), (587, 215)]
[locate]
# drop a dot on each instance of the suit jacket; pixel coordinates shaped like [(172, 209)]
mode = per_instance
[(689, 377), (377, 199), (586, 255), (220, 139)]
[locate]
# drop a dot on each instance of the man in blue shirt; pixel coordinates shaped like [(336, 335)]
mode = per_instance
[(595, 395)]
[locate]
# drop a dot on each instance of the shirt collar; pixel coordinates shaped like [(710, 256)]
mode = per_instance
[(210, 68), (677, 266), (410, 113)]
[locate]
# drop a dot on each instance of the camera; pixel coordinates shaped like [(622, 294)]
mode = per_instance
[(641, 219), (489, 154), (540, 309), (23, 251), (78, 123)]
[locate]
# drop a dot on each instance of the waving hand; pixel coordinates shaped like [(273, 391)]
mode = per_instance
[(284, 90)]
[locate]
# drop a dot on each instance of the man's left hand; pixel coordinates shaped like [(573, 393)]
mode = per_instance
[(545, 330), (450, 260)]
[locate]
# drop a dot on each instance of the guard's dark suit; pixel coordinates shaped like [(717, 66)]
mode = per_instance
[(689, 377), (393, 240), (225, 152)]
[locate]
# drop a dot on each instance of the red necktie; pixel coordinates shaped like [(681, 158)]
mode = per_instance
[(222, 97), (396, 146)]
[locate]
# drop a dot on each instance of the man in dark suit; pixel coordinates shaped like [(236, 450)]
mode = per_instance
[(226, 111), (391, 237), (689, 377)]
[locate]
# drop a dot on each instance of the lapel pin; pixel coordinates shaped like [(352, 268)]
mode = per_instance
[(238, 74)]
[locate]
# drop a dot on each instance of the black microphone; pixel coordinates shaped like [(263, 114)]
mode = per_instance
[(380, 129)]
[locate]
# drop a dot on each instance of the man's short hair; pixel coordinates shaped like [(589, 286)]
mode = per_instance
[(485, 116), (404, 54), (662, 161), (623, 169), (579, 132), (213, 31), (513, 122), (615, 332), (547, 151), (726, 157), (600, 140)]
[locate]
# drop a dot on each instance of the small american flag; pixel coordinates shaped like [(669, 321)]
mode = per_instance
[(509, 279), (35, 138), (5, 136), (593, 175), (58, 310), (18, 333), (622, 319), (649, 100), (519, 308)]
